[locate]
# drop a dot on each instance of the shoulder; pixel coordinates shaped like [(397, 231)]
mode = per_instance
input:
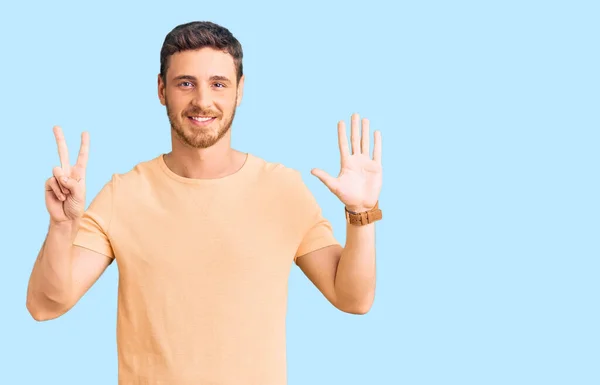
[(138, 176), (285, 184), (277, 173), (284, 188)]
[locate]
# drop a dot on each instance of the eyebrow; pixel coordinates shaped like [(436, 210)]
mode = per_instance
[(212, 78)]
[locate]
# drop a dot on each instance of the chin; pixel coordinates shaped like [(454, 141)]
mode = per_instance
[(199, 139)]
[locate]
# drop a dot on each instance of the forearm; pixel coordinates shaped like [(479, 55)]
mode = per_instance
[(355, 276), (50, 282)]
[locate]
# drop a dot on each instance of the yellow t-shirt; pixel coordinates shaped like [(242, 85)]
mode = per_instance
[(203, 269)]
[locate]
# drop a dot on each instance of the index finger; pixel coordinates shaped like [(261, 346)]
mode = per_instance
[(343, 140), (63, 152)]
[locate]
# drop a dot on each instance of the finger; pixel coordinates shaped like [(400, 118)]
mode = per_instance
[(83, 150), (377, 147), (343, 140), (63, 152), (52, 185), (58, 173), (71, 184), (365, 137), (355, 133), (327, 179)]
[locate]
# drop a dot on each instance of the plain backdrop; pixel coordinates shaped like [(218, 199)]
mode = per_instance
[(488, 252)]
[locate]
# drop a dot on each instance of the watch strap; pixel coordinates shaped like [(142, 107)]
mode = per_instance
[(364, 217)]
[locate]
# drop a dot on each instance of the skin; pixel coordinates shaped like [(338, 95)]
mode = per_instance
[(346, 276), (203, 82)]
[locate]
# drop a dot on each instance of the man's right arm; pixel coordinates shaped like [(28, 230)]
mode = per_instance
[(62, 273)]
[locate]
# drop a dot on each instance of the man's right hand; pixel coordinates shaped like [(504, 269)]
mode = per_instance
[(65, 190)]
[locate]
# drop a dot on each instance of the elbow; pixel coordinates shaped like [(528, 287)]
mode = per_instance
[(41, 313), (39, 317), (36, 313), (357, 307)]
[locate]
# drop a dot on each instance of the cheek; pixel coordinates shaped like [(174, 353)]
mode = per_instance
[(227, 103), (176, 103)]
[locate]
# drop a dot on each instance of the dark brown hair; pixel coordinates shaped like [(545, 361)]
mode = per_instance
[(200, 34)]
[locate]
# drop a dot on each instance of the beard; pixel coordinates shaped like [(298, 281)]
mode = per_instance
[(199, 137)]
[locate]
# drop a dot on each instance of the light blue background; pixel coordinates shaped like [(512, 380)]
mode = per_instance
[(488, 253)]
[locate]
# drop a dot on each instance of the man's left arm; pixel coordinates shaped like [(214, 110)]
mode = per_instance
[(346, 276)]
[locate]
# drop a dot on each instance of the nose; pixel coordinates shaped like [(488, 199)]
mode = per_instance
[(202, 97)]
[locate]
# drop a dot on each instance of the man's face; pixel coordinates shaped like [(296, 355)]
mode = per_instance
[(201, 95)]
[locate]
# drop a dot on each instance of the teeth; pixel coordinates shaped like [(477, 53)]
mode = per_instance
[(201, 119)]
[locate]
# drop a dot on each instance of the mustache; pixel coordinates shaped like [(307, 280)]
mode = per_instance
[(201, 112)]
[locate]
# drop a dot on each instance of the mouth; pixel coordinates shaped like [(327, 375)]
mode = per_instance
[(201, 121)]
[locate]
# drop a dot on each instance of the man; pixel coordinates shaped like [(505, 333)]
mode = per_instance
[(205, 235)]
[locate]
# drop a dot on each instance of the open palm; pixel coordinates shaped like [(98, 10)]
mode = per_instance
[(359, 182)]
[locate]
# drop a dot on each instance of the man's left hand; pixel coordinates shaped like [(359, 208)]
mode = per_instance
[(359, 182)]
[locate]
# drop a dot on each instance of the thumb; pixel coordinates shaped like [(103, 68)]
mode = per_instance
[(70, 183), (327, 179)]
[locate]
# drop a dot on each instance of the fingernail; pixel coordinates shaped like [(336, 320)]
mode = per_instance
[(65, 179)]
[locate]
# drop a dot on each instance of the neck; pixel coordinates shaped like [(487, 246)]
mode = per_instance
[(217, 161)]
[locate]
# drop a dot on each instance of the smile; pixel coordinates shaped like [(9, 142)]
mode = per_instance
[(201, 120)]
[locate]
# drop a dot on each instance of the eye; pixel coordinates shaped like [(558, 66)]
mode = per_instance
[(184, 84), (219, 85)]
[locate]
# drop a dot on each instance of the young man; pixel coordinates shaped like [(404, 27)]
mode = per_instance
[(205, 235)]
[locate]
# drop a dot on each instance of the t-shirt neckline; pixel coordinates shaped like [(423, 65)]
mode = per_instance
[(208, 181)]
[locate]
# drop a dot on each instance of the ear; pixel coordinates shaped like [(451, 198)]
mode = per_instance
[(161, 90), (240, 90)]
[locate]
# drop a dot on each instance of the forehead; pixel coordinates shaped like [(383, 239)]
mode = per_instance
[(202, 63)]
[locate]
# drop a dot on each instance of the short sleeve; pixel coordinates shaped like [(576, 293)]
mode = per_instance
[(94, 226), (317, 230)]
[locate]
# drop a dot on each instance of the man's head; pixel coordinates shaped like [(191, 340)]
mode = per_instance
[(201, 81)]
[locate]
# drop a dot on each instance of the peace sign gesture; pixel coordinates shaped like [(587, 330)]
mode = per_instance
[(359, 181), (65, 190)]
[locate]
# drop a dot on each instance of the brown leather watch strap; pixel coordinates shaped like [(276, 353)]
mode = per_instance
[(365, 217)]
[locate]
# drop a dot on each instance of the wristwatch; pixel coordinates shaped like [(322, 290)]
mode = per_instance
[(365, 217)]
